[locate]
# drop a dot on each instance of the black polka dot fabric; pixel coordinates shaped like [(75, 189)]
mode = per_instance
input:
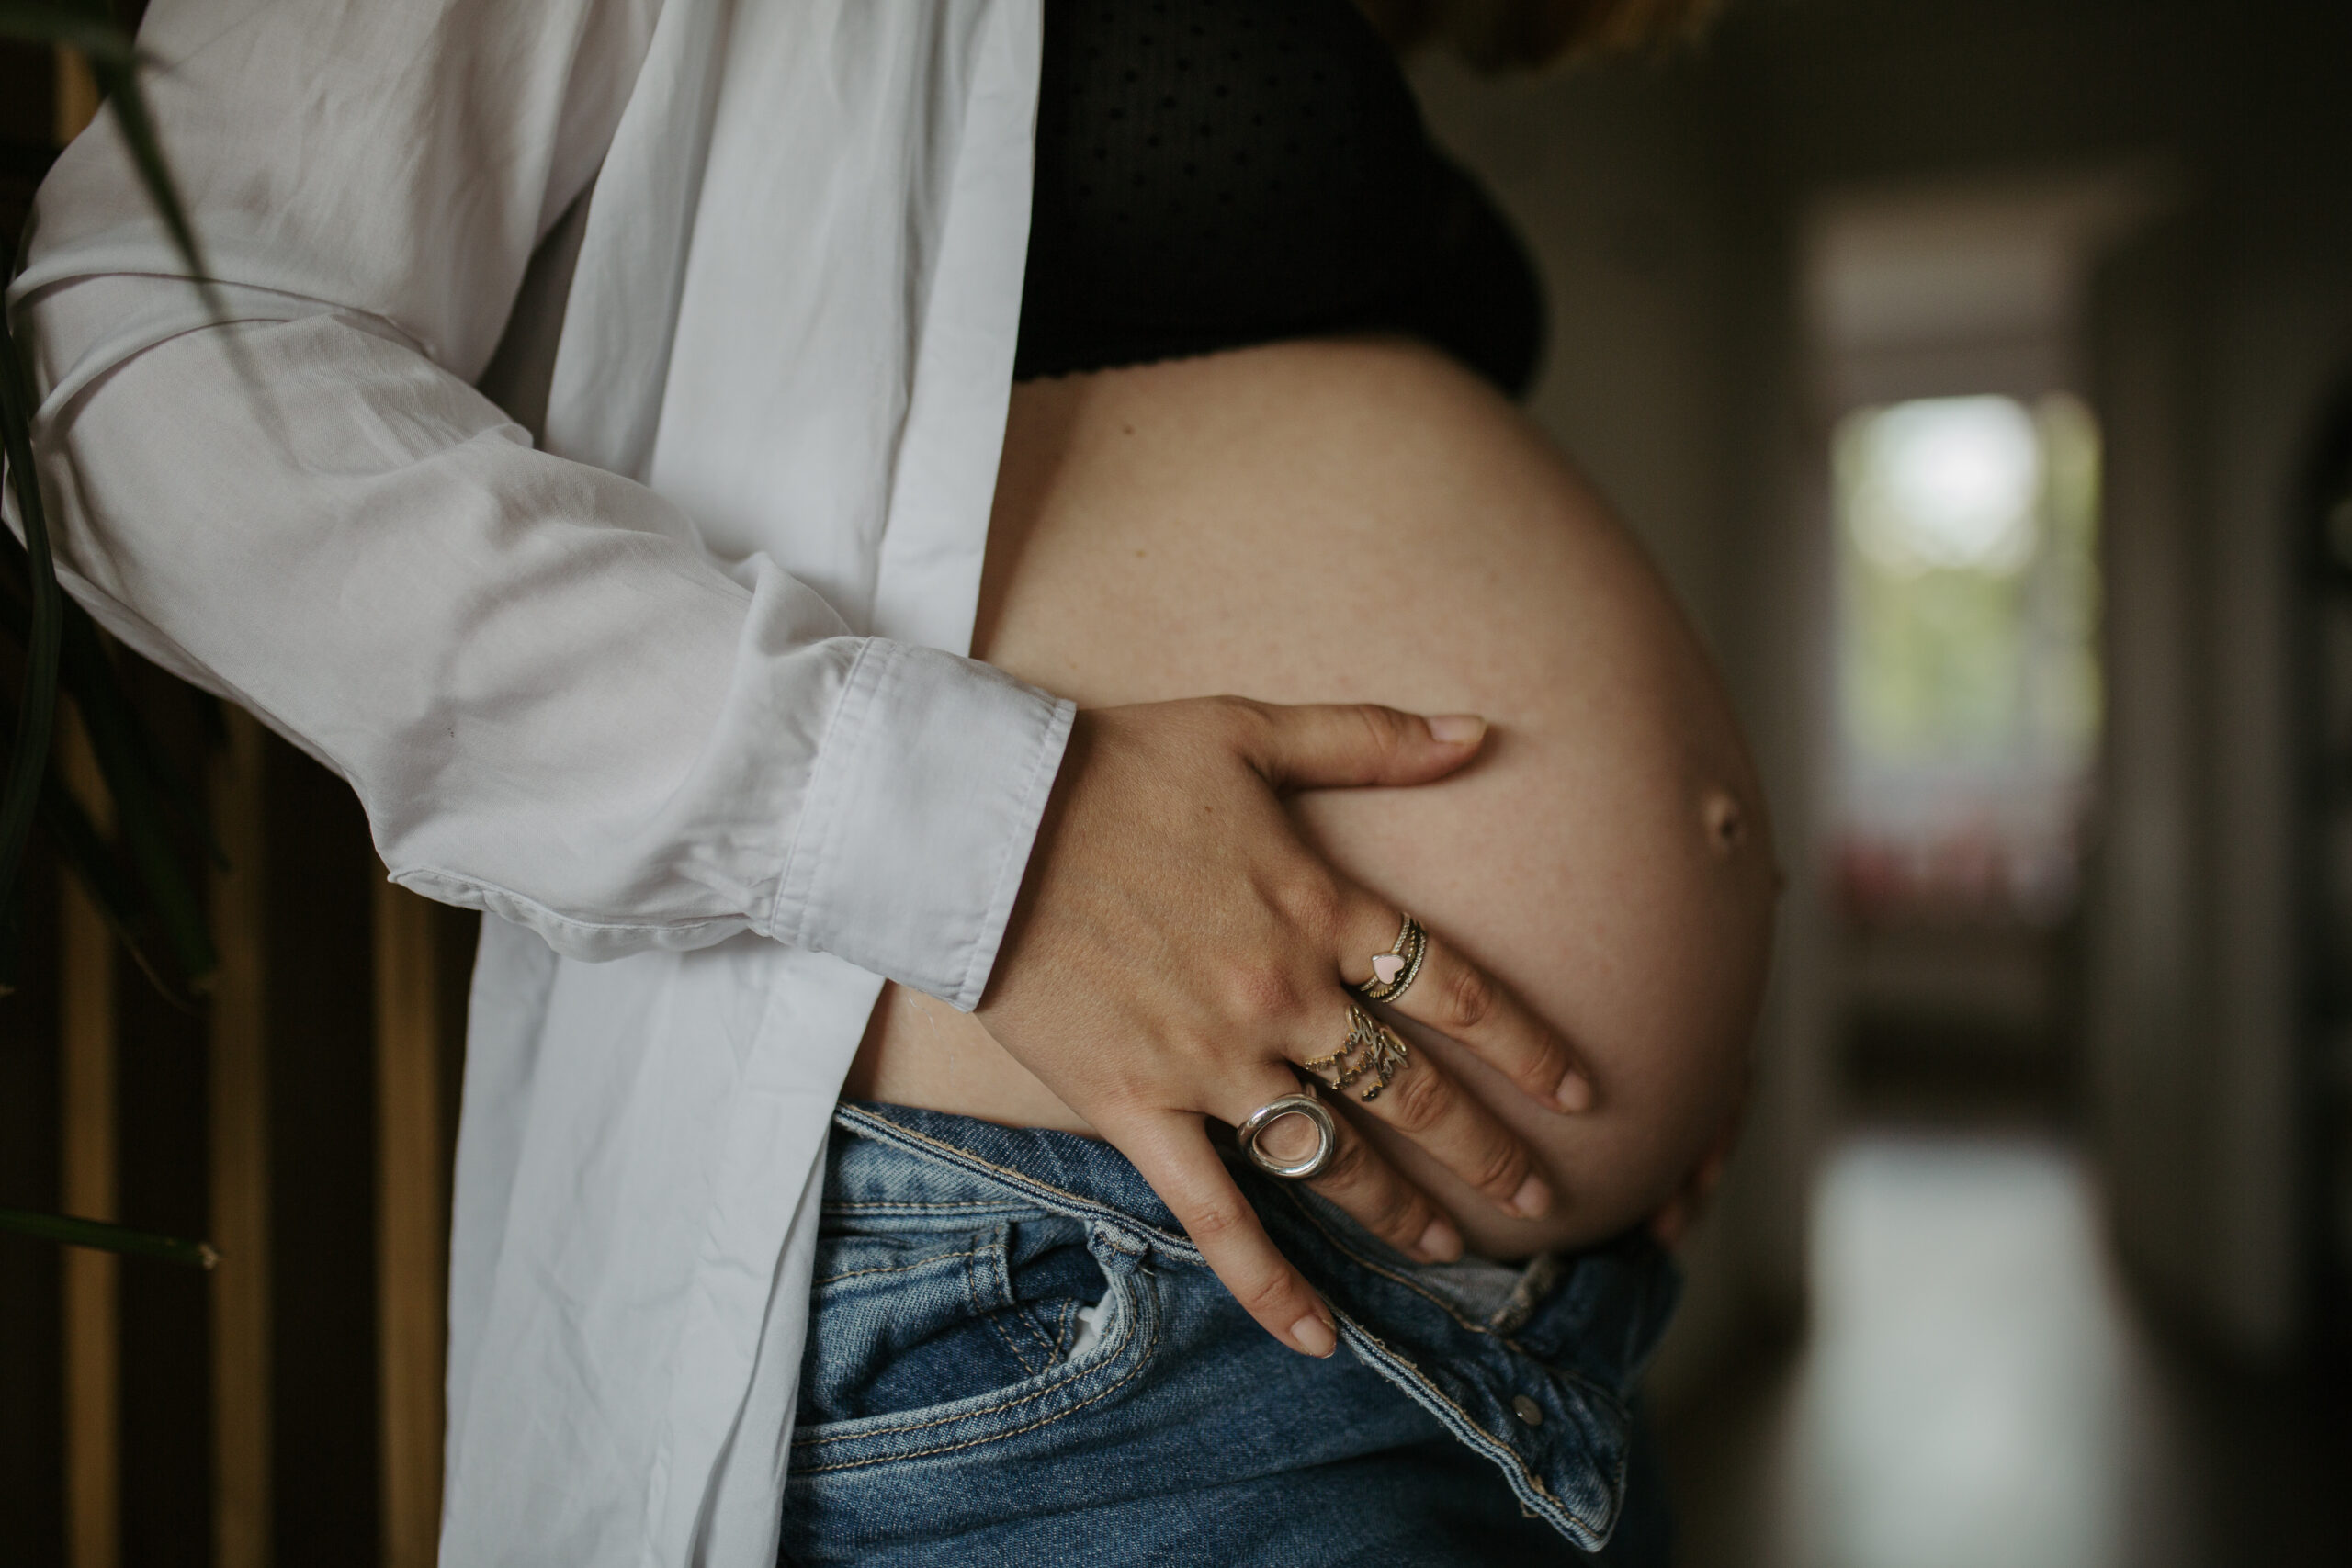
[(1217, 172)]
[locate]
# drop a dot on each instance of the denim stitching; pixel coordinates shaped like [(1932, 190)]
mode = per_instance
[(994, 1316), (1386, 1273), (951, 1153), (1033, 1395), (1143, 1359), (841, 1209), (894, 1268), (1026, 1318), (980, 1310), (892, 1131), (1569, 1374), (1566, 1374), (970, 1442), (1406, 1370), (1002, 1333), (1365, 1343), (1051, 1344), (1129, 1330)]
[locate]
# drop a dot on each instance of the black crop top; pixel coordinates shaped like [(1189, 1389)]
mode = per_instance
[(1212, 174)]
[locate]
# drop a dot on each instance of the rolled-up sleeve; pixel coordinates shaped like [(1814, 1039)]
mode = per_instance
[(553, 702), (875, 808)]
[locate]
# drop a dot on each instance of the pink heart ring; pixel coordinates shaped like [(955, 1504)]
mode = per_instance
[(1394, 971)]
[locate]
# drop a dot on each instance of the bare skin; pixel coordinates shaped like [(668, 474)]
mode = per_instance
[(1355, 522)]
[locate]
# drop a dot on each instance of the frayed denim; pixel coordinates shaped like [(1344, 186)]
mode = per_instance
[(1016, 1356)]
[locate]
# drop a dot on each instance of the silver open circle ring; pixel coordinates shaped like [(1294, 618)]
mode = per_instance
[(1326, 1137)]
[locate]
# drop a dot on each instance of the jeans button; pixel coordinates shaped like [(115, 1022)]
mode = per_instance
[(1527, 1410)]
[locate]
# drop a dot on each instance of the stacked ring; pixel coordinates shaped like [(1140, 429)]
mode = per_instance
[(1394, 972), (1327, 1135), (1372, 1048)]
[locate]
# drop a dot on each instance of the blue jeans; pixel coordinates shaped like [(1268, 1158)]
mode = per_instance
[(1016, 1356)]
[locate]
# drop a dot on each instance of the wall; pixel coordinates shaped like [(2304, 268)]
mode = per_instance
[(1667, 203), (2149, 902), (2277, 335), (2217, 344)]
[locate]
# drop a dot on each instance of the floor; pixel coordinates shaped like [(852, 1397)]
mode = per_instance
[(1978, 1388)]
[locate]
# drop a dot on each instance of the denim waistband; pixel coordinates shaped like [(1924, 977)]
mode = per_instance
[(1531, 1367)]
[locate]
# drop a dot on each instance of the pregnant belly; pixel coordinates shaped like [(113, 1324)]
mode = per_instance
[(1363, 521)]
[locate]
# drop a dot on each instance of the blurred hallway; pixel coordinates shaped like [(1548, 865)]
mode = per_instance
[(1977, 1387), (2055, 1170)]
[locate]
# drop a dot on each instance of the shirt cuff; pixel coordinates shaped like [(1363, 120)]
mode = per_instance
[(924, 801)]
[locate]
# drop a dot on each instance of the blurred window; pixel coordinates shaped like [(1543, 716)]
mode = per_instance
[(1968, 681)]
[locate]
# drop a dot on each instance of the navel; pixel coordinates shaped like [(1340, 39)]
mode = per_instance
[(1723, 820)]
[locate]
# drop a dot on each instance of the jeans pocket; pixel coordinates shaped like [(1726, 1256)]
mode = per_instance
[(933, 1332)]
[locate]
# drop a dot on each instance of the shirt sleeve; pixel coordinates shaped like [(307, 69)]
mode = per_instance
[(553, 704)]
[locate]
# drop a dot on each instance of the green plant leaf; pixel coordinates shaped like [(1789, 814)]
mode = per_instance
[(60, 641), (93, 683), (100, 871), (71, 1232), (89, 28), (118, 80), (116, 742)]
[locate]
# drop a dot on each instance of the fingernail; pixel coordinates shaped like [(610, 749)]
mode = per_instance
[(1574, 1092), (1531, 1198), (1314, 1336), (1440, 1243), (1457, 729)]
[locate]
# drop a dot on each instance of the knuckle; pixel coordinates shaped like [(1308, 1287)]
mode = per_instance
[(1352, 1168), (1502, 1171), (1539, 1076), (1384, 728), (1469, 998), (1417, 1101), (1310, 901), (1212, 1222), (1248, 726), (1123, 1104), (1398, 1213), (1263, 989), (1263, 1295)]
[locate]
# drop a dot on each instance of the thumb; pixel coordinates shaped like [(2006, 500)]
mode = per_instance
[(1332, 745)]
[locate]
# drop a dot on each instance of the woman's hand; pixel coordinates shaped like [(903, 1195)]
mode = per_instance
[(1178, 948), (1683, 1210)]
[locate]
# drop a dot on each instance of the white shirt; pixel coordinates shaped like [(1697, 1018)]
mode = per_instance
[(657, 663)]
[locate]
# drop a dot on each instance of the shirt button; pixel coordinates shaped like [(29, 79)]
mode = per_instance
[(1527, 1410)]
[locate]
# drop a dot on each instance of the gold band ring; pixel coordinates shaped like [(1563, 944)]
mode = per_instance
[(1373, 1049), (1395, 971)]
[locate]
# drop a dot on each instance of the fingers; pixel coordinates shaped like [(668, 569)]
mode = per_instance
[(1364, 1183), (1419, 1098), (1172, 1151), (1358, 1178), (1335, 745), (1673, 1219), (1462, 1002), (1672, 1222), (1707, 1173)]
